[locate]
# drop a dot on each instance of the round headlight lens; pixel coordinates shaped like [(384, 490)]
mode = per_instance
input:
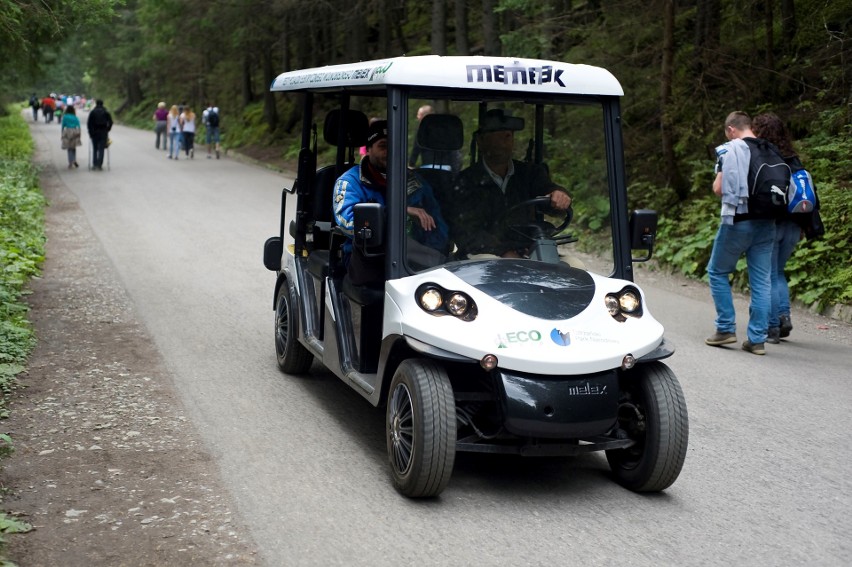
[(628, 302), (611, 305), (457, 304), (431, 299)]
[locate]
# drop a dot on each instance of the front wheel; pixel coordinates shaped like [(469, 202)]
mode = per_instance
[(652, 412), (293, 357), (421, 428)]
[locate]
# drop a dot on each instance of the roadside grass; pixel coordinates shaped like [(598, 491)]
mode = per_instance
[(22, 241)]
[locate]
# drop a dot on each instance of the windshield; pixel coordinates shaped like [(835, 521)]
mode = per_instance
[(476, 169)]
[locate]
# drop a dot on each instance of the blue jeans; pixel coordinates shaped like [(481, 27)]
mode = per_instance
[(174, 143), (755, 238), (787, 234)]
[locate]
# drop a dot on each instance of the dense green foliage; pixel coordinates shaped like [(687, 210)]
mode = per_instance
[(684, 65), (21, 251), (21, 243), (36, 35)]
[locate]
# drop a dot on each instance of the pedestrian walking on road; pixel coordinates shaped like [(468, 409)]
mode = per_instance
[(160, 125), (787, 232), (187, 122), (740, 232), (35, 104), (211, 123), (99, 124), (71, 136), (174, 127)]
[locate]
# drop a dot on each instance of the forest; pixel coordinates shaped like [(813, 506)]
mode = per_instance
[(684, 64)]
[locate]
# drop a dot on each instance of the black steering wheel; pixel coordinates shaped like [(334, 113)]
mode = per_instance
[(536, 229)]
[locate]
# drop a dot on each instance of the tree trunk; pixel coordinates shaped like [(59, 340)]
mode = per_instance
[(247, 93), (270, 110), (462, 43), (489, 28), (708, 31), (672, 174), (769, 20), (788, 25), (384, 29), (439, 27), (134, 88), (355, 34)]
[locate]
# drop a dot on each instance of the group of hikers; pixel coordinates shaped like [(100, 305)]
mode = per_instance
[(175, 130)]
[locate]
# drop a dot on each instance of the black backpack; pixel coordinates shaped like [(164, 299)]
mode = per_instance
[(213, 119), (768, 180)]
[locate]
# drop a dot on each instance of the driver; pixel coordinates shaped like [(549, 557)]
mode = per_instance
[(483, 193)]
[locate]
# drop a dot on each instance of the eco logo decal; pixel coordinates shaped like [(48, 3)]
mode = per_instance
[(560, 338), (518, 337)]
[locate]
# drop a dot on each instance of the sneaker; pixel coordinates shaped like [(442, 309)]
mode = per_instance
[(192, 153), (217, 154), (754, 348), (76, 164), (774, 336), (786, 326), (719, 339)]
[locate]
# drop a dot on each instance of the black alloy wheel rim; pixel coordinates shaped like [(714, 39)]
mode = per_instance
[(282, 326), (401, 429)]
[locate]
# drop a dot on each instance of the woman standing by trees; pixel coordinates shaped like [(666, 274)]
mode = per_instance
[(174, 131), (187, 122), (71, 134)]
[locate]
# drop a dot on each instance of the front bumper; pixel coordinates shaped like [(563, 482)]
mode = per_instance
[(558, 407)]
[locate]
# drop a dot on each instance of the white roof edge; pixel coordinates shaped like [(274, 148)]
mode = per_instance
[(513, 74)]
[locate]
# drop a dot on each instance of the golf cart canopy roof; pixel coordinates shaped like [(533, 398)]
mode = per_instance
[(435, 71)]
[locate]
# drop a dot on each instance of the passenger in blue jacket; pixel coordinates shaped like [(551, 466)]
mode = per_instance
[(367, 183)]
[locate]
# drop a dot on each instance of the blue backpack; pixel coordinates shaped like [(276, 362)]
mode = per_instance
[(801, 197)]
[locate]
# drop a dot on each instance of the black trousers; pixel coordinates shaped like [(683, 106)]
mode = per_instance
[(98, 147)]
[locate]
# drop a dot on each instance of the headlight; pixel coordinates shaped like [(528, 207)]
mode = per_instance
[(611, 303), (625, 302), (457, 305), (431, 299), (628, 302), (438, 301)]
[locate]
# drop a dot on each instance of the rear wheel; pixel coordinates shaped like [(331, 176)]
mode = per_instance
[(293, 357), (421, 428), (653, 413)]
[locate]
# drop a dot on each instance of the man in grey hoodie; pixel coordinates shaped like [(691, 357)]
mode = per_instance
[(739, 233)]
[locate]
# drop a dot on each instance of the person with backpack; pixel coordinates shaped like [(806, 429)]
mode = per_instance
[(211, 122), (803, 206), (35, 104), (99, 124), (48, 106), (747, 227)]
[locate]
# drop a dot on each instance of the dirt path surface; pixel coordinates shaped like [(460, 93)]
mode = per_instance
[(107, 468)]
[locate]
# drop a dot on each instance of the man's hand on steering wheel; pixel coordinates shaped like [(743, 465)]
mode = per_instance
[(560, 200)]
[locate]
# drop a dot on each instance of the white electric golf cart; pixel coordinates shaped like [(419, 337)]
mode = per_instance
[(550, 352)]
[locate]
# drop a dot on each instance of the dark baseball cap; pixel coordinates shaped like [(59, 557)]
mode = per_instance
[(377, 131), (496, 119)]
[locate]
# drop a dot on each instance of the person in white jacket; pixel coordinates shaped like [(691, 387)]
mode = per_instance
[(739, 233)]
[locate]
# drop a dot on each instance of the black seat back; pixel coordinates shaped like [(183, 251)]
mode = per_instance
[(353, 134), (443, 136)]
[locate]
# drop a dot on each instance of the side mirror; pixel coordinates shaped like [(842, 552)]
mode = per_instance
[(273, 248), (369, 228), (643, 232)]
